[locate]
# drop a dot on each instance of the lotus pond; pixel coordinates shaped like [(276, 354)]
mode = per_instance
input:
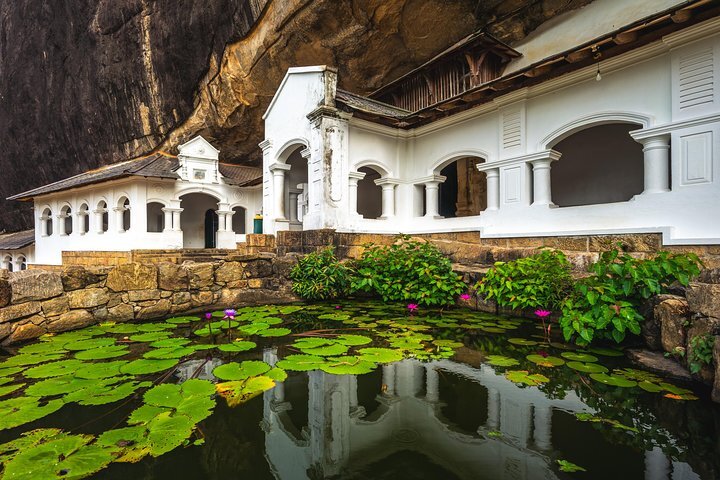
[(355, 390)]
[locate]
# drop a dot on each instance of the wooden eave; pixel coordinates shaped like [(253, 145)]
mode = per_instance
[(609, 45)]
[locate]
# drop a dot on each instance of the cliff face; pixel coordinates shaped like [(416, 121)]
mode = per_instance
[(84, 83)]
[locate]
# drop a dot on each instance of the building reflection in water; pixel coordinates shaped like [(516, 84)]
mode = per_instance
[(340, 436)]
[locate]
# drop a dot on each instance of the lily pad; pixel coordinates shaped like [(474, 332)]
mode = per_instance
[(150, 336), (274, 332), (240, 391), (144, 366), (524, 377), (241, 371), (170, 343), (167, 353), (238, 346), (613, 380), (100, 370), (569, 467), (327, 350), (54, 369), (607, 352), (347, 365), (380, 355), (579, 357), (522, 341), (546, 361), (353, 340), (102, 353), (587, 367), (8, 389), (20, 410), (301, 363), (501, 361)]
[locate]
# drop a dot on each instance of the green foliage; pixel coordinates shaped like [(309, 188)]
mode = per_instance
[(605, 304), (701, 352), (320, 276), (407, 271), (538, 281), (569, 467)]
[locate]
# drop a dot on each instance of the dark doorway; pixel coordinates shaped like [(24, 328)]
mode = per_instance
[(211, 228)]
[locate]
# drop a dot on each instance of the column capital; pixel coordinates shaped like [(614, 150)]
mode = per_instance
[(543, 158), (170, 209), (660, 141), (120, 209), (436, 179), (265, 144), (305, 153), (387, 181), (356, 175), (279, 167)]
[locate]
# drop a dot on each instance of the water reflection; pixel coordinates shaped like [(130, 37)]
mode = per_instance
[(342, 437)]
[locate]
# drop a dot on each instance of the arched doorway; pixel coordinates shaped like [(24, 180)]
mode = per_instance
[(296, 187), (198, 226), (155, 217), (464, 191), (600, 164), (369, 195)]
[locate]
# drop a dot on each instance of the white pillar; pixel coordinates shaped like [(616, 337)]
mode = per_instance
[(228, 221), (543, 427), (167, 219), (294, 205), (99, 219), (542, 192), (353, 179), (388, 196), (81, 222), (493, 416), (61, 223), (657, 465), (176, 219), (43, 225), (432, 380), (493, 188), (278, 171), (388, 379), (432, 196), (119, 211), (656, 159)]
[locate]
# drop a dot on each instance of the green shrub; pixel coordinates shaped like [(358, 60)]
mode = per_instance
[(605, 304), (701, 352), (320, 276), (538, 281), (408, 271)]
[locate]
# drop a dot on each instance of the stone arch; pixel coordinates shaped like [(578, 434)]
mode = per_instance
[(450, 158), (195, 204), (591, 120), (463, 192), (599, 163), (369, 194), (376, 165), (296, 185), (289, 147), (203, 190)]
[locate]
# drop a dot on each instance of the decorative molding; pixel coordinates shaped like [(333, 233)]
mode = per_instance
[(552, 155), (667, 128), (279, 166), (700, 31), (594, 119), (265, 144)]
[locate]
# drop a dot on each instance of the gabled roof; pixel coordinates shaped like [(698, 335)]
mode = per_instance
[(240, 175), (157, 165), (13, 241)]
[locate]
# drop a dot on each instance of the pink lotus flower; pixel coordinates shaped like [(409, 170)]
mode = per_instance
[(412, 307), (465, 296), (542, 313), (337, 307), (230, 313), (208, 316)]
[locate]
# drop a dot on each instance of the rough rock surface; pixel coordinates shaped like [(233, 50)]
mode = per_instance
[(673, 317), (657, 362), (704, 298), (98, 81), (35, 285)]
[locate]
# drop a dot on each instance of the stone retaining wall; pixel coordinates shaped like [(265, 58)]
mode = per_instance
[(34, 302)]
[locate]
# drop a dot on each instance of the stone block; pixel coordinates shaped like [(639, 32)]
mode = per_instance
[(5, 330), (255, 283), (704, 298), (237, 284), (132, 276), (157, 310), (120, 313), (71, 320), (5, 292), (22, 310), (173, 277), (114, 299), (30, 285), (709, 275), (143, 295), (578, 244), (55, 306), (525, 242), (202, 299), (643, 242), (282, 266), (76, 277), (701, 327), (258, 268), (672, 315), (229, 272), (200, 275), (87, 298), (24, 331), (180, 298)]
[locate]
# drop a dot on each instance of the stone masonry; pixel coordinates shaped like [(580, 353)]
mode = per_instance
[(34, 302)]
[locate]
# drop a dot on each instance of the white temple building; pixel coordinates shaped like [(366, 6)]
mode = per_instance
[(604, 120)]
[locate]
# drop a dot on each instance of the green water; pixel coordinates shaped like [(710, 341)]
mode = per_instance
[(463, 401)]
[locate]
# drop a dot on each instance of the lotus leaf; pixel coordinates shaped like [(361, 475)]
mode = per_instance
[(143, 366), (523, 376), (101, 394), (120, 328), (150, 336), (587, 367), (167, 353), (613, 380), (589, 417), (447, 343), (253, 328), (501, 361), (301, 363), (8, 389), (650, 387), (334, 316), (170, 343), (240, 391), (166, 432), (607, 352), (275, 332), (327, 350), (182, 320), (380, 355), (54, 369), (289, 309), (20, 410), (58, 386), (637, 375), (493, 330), (312, 342), (155, 327), (579, 357), (241, 371), (238, 346), (546, 361), (348, 365), (8, 371), (674, 389), (131, 440), (42, 348), (277, 374), (90, 343), (353, 340), (27, 440), (102, 353), (522, 341), (191, 399), (144, 413), (23, 360)]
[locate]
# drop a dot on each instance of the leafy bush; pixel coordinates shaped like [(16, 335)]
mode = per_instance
[(538, 281), (320, 276), (408, 270), (605, 304), (701, 352)]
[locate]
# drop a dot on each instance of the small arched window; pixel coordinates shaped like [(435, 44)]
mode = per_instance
[(46, 223), (21, 263), (66, 221), (103, 217), (155, 217), (124, 219), (239, 219), (7, 263)]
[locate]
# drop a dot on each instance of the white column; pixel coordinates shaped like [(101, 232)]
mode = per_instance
[(228, 221), (656, 158), (432, 196), (432, 380), (176, 219), (81, 222), (388, 197), (43, 225), (99, 219), (61, 224), (543, 427), (167, 219), (278, 171), (657, 465), (294, 205), (353, 179), (542, 192), (493, 416), (119, 211), (493, 188), (388, 379)]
